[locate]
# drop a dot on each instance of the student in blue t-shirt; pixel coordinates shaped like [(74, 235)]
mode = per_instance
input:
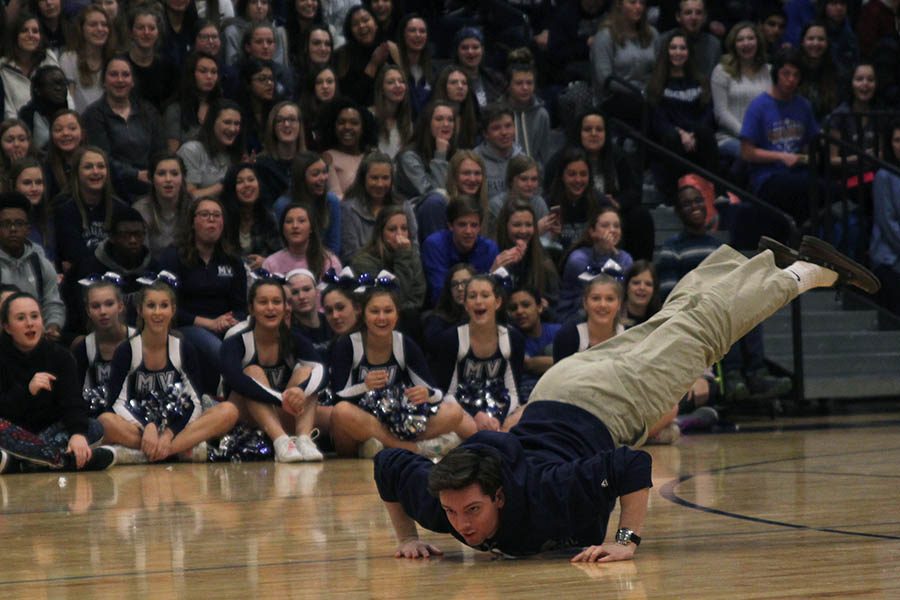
[(777, 129)]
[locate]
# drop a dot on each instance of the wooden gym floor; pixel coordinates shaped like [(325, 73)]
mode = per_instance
[(793, 508)]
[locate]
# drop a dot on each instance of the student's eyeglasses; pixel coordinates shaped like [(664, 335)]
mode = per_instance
[(17, 224), (462, 283), (208, 215)]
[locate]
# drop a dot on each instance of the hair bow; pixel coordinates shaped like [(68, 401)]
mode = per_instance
[(165, 276), (610, 268), (504, 279), (384, 279), (346, 279), (109, 277), (266, 275)]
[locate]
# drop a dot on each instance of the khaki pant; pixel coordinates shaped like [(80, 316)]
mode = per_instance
[(632, 380)]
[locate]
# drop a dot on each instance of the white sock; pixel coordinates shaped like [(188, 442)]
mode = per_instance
[(810, 276)]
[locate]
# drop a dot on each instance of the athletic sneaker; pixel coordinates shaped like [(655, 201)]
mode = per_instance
[(197, 454), (369, 448), (26, 446), (8, 464), (128, 456), (286, 450), (669, 435), (308, 449), (436, 447), (101, 459), (701, 419), (765, 386)]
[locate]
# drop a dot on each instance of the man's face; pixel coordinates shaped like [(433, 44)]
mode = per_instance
[(773, 28), (691, 16), (472, 513), (465, 232), (501, 133), (129, 238), (691, 208), (788, 80), (13, 230), (52, 86), (524, 311)]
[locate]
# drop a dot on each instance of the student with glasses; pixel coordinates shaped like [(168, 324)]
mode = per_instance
[(23, 264), (213, 284)]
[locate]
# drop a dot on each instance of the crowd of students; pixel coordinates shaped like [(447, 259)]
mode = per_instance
[(288, 212)]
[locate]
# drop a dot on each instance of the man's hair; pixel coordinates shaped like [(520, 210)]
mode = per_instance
[(771, 10), (493, 112), (786, 56), (15, 200), (464, 466), (125, 215), (463, 206), (681, 4)]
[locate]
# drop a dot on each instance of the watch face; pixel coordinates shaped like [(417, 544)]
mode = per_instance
[(623, 536)]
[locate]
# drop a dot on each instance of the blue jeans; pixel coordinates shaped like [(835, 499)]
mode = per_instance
[(207, 345)]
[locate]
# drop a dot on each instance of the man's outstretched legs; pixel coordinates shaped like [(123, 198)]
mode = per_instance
[(634, 379)]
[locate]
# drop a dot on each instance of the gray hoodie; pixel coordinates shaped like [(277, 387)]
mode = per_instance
[(358, 224), (415, 178), (495, 166), (21, 273), (533, 130)]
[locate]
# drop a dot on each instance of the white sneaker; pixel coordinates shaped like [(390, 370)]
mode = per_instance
[(197, 454), (128, 456), (308, 448), (369, 448), (286, 450), (437, 447), (667, 436)]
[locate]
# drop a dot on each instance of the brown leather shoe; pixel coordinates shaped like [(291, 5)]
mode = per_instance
[(849, 272), (784, 256)]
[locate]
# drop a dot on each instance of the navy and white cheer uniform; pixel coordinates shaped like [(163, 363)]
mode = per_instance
[(457, 364), (574, 338), (239, 351), (406, 367), (131, 379)]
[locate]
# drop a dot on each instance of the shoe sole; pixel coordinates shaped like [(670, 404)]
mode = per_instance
[(849, 271), (34, 460)]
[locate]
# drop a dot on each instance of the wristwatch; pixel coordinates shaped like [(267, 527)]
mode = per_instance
[(624, 536)]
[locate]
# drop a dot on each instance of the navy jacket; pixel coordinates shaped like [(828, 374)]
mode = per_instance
[(561, 477), (208, 290)]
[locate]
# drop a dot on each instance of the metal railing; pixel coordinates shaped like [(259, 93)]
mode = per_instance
[(796, 307), (848, 173), (645, 113), (855, 165)]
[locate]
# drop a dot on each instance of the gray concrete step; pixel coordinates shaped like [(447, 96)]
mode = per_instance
[(845, 364), (819, 321), (852, 386), (827, 342)]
